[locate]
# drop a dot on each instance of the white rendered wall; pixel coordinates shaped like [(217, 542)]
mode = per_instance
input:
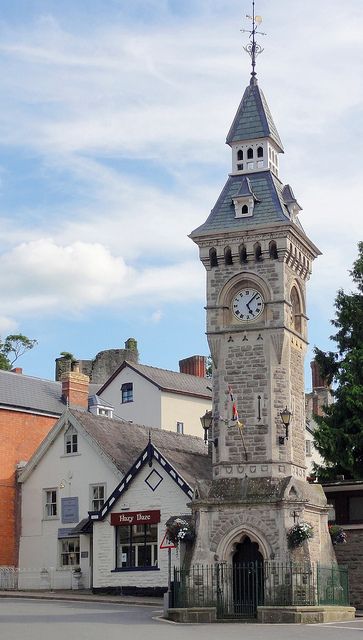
[(170, 499), (39, 544), (145, 407), (179, 408)]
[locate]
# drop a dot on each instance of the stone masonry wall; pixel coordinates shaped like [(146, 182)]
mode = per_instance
[(351, 554)]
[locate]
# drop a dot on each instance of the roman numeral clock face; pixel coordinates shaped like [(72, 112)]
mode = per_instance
[(247, 304)]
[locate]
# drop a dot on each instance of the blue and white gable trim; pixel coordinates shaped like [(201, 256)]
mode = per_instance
[(146, 457)]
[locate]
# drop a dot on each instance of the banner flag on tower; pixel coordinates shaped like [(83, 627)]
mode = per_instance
[(235, 417)]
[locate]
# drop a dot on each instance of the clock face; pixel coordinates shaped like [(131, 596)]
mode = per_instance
[(247, 304)]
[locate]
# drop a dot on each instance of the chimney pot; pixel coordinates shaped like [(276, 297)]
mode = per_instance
[(75, 389), (18, 370)]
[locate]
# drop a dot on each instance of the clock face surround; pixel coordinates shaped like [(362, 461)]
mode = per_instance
[(247, 304)]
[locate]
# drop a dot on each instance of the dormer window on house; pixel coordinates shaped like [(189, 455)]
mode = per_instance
[(127, 392), (102, 411), (71, 441)]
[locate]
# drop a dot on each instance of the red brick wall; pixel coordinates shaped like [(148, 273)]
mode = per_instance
[(20, 435), (351, 554)]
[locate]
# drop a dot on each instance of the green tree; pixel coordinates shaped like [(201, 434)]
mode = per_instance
[(13, 347), (339, 436)]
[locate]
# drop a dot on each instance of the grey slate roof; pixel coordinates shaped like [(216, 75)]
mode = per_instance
[(123, 442), (245, 188), (269, 208), (28, 393), (168, 380), (253, 118)]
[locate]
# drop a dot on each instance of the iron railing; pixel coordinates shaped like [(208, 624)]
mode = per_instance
[(237, 590)]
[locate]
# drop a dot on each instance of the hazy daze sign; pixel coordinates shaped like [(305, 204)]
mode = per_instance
[(128, 518)]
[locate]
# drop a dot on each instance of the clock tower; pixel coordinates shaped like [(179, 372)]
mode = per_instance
[(258, 260)]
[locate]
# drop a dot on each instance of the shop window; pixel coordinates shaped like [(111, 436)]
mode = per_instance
[(355, 509), (50, 504), (180, 427), (127, 392), (70, 441), (69, 552), (97, 496), (136, 546)]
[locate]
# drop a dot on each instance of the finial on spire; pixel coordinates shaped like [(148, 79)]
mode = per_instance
[(253, 49)]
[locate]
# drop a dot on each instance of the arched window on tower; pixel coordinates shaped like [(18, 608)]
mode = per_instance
[(242, 254), (295, 309), (228, 256), (258, 252), (273, 250), (260, 152), (213, 257), (249, 153), (240, 154), (245, 210)]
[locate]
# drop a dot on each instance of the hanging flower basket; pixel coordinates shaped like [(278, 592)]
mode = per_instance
[(337, 534), (298, 534), (180, 530)]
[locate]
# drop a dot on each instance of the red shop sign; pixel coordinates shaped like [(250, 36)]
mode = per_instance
[(127, 518)]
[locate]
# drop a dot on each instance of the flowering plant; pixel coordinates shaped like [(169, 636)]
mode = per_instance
[(337, 534), (299, 533), (180, 530)]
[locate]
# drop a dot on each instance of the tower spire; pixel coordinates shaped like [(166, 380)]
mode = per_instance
[(253, 48)]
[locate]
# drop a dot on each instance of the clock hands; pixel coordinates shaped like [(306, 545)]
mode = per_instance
[(249, 302)]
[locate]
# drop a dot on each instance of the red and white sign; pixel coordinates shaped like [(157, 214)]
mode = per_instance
[(166, 544), (128, 518)]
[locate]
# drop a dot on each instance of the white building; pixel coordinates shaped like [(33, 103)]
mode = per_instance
[(105, 466), (158, 397)]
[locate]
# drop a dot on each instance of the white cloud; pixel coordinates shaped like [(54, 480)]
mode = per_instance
[(7, 325), (156, 316), (164, 95)]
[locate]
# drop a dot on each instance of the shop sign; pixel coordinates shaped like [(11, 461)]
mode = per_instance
[(128, 518)]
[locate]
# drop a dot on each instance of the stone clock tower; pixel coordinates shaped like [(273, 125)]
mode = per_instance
[(258, 260)]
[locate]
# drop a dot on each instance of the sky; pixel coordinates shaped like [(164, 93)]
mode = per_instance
[(113, 118)]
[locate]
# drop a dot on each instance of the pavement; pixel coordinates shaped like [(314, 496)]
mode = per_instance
[(84, 595)]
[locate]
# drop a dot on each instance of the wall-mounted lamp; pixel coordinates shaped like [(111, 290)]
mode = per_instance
[(207, 421), (285, 418)]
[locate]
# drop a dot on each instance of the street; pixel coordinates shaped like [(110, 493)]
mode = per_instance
[(26, 619)]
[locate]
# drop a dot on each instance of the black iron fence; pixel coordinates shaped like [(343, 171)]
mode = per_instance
[(237, 590)]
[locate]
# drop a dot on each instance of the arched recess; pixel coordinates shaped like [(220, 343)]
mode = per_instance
[(228, 256), (213, 260), (238, 282), (258, 252), (296, 309), (227, 547), (242, 254), (273, 250)]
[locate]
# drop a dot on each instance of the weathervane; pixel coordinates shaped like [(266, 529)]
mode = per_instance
[(253, 49)]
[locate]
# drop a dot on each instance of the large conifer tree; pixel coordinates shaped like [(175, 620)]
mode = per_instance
[(339, 436)]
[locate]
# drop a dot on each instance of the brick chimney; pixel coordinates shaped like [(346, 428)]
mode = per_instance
[(75, 388), (18, 370), (317, 379), (195, 366)]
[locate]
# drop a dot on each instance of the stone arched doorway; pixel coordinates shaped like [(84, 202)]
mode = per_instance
[(248, 577)]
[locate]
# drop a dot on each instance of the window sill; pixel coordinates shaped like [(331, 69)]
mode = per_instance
[(123, 569), (70, 455)]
